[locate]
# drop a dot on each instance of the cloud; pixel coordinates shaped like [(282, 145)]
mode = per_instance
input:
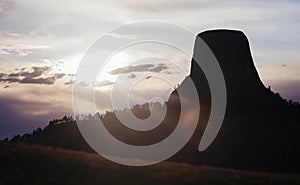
[(48, 81), (89, 84), (119, 36), (104, 83), (20, 49), (139, 68), (5, 7), (16, 44), (31, 76), (166, 5), (70, 82), (82, 84), (20, 115), (132, 75), (10, 120)]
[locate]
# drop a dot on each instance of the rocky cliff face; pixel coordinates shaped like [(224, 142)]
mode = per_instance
[(243, 85)]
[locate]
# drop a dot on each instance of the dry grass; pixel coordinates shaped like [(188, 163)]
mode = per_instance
[(35, 164)]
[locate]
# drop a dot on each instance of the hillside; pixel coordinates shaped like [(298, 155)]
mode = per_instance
[(35, 164), (62, 133)]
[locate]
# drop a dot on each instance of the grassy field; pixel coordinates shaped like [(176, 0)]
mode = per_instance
[(34, 164)]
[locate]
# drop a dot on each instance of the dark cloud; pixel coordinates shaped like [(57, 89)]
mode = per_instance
[(48, 81), (31, 76), (14, 121), (70, 82), (34, 72), (104, 83), (140, 68), (132, 75)]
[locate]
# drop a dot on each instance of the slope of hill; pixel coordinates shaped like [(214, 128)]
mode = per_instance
[(62, 133), (35, 164)]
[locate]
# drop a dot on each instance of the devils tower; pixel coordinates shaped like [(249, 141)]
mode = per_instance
[(260, 130)]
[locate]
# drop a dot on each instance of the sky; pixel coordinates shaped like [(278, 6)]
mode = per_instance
[(43, 42)]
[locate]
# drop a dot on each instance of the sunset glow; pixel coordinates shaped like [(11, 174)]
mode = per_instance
[(39, 57)]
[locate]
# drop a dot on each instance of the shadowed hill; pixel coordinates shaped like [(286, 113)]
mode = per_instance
[(62, 133)]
